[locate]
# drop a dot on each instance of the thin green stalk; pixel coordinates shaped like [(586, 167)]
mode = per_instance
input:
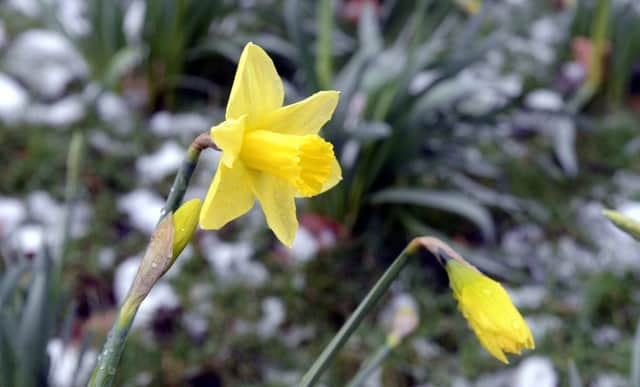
[(105, 370), (74, 159), (372, 298), (371, 365), (440, 250), (324, 57), (599, 36), (181, 182), (157, 260), (294, 20)]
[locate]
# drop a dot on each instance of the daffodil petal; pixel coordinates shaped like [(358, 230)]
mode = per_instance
[(493, 348), (304, 117), (228, 136), (229, 196), (257, 88), (277, 200)]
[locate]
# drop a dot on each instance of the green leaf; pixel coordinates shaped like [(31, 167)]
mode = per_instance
[(32, 332), (370, 131), (121, 63), (294, 20), (564, 139), (10, 280), (442, 200), (324, 55), (574, 375), (7, 349), (369, 33)]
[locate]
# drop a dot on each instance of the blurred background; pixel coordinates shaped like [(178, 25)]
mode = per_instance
[(503, 127)]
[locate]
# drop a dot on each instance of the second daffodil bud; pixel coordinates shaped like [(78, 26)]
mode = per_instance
[(489, 310), (405, 321), (185, 220), (624, 223)]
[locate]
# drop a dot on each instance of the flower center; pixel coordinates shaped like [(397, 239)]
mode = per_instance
[(302, 161)]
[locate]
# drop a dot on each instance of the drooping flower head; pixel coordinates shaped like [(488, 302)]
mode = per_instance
[(270, 152), (489, 310)]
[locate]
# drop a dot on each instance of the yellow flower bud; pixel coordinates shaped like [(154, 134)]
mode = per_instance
[(470, 6), (489, 310), (405, 321), (624, 223), (185, 220)]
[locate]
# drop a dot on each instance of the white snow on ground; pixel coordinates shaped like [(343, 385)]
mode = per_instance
[(29, 8), (28, 241), (543, 99), (64, 363), (535, 371), (273, 315), (51, 214), (45, 61), (142, 206), (529, 297), (163, 162), (60, 114), (113, 109), (184, 124), (12, 213), (305, 246), (232, 263), (134, 20), (162, 296), (71, 14), (14, 100)]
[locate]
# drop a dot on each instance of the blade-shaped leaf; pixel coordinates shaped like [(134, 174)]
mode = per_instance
[(10, 280), (574, 375), (443, 200)]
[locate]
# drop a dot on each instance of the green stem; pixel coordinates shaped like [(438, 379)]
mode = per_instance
[(372, 298), (440, 250), (325, 43), (109, 358), (371, 365), (108, 361), (74, 159), (185, 172)]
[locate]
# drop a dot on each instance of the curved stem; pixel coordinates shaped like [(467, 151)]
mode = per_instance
[(439, 249), (185, 172)]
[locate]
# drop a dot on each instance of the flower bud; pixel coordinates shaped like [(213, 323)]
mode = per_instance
[(489, 310), (185, 220), (624, 223), (405, 321)]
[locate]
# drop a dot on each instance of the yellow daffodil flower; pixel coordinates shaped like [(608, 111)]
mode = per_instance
[(489, 310), (270, 152)]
